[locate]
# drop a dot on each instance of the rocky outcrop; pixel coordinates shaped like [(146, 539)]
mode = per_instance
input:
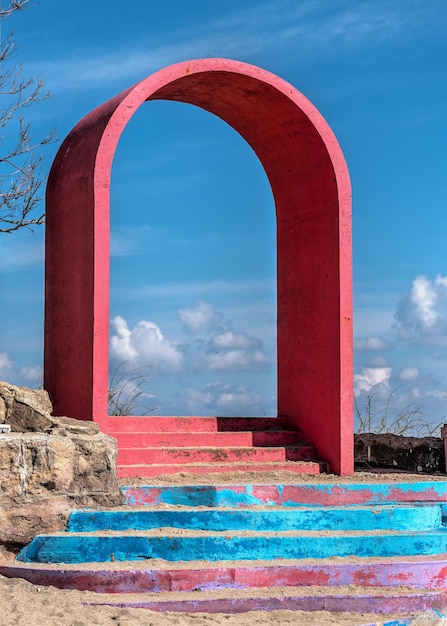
[(24, 409), (414, 454), (49, 465)]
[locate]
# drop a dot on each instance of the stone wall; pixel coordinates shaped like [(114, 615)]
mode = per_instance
[(420, 455), (49, 465)]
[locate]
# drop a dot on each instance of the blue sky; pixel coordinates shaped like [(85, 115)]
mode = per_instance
[(193, 229)]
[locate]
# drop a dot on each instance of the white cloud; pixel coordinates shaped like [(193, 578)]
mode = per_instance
[(200, 319), (145, 345), (33, 373), (24, 375), (421, 316), (220, 398), (408, 374), (121, 343), (370, 377), (229, 340), (372, 344), (231, 351), (389, 402), (6, 364), (225, 350), (423, 297)]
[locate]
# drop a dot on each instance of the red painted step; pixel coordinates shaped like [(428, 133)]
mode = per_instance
[(154, 423), (198, 469), (183, 439), (277, 438), (253, 424), (127, 456), (156, 445), (194, 439)]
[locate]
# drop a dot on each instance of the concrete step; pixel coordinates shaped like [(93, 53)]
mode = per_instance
[(154, 423), (186, 455), (320, 491), (387, 517), (194, 439), (306, 546), (189, 545), (357, 600), (160, 470), (158, 576)]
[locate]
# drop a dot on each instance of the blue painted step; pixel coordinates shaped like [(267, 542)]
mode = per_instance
[(185, 545), (387, 517)]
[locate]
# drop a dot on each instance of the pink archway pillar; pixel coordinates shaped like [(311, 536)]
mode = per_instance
[(311, 189)]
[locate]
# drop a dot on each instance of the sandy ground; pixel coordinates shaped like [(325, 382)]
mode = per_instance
[(24, 604), (283, 477)]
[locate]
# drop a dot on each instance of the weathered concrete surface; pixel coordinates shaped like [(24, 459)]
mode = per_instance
[(383, 517), (415, 454), (133, 577), (257, 553), (351, 600), (189, 545), (285, 495), (310, 184), (48, 465)]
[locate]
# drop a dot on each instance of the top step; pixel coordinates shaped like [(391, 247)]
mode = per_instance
[(162, 424)]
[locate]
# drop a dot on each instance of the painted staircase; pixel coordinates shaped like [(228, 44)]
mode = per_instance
[(376, 547), (155, 446)]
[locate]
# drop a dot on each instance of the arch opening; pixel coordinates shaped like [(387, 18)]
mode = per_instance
[(200, 320), (311, 189)]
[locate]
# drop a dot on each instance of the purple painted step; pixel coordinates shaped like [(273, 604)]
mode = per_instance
[(286, 599)]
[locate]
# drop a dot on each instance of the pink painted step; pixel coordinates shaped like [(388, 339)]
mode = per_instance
[(423, 572), (182, 455), (194, 439), (157, 469)]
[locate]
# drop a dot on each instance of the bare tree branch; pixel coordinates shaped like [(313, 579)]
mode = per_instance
[(126, 390), (21, 176), (14, 5)]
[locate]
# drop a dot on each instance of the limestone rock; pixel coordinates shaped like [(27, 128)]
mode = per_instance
[(24, 409), (48, 465), (39, 463), (20, 522), (70, 426)]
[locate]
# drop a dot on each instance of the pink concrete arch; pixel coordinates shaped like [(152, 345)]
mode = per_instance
[(311, 189)]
